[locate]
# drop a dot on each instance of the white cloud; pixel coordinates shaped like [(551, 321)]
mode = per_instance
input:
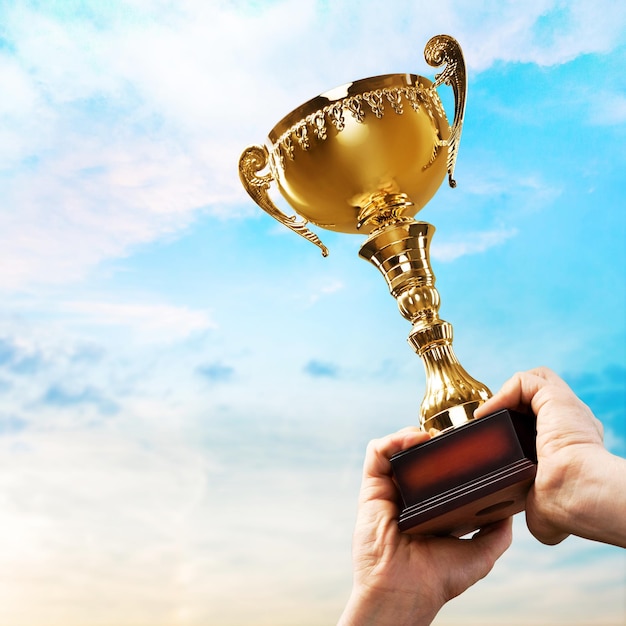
[(609, 109), (327, 289), (546, 32), (130, 520), (75, 505), (98, 198), (119, 123), (154, 321), (472, 243)]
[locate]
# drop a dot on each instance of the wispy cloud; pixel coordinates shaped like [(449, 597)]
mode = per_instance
[(326, 289), (114, 133), (472, 243), (609, 109), (547, 32), (153, 322)]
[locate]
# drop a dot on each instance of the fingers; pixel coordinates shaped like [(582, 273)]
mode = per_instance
[(520, 390), (379, 451), (377, 483), (495, 538), (490, 543), (472, 559)]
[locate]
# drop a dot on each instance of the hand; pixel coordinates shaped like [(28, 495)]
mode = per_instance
[(402, 579), (580, 487)]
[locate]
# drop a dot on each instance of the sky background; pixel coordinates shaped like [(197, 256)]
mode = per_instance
[(187, 388)]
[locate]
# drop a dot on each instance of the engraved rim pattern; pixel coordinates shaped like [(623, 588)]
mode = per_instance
[(358, 106)]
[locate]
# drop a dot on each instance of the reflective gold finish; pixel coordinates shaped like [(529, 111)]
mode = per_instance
[(253, 160), (366, 157), (400, 251)]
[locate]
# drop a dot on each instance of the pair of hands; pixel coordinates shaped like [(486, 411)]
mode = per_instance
[(580, 488)]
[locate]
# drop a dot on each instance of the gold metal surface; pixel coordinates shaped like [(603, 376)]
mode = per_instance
[(252, 161), (400, 250), (366, 157)]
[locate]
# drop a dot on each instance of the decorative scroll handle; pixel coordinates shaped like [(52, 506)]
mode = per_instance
[(444, 49), (252, 161)]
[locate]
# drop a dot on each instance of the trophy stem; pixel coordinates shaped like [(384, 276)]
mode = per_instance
[(399, 248)]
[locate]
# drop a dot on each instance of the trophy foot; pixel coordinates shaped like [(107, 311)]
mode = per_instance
[(451, 418), (468, 476)]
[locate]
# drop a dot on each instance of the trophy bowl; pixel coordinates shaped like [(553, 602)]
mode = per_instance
[(331, 155)]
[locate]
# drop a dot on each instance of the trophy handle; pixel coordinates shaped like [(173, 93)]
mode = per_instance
[(252, 161), (444, 49)]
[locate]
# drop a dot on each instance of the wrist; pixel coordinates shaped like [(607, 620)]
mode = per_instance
[(369, 607), (592, 497), (598, 510)]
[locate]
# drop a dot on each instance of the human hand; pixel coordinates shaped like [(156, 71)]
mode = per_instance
[(580, 487), (401, 579)]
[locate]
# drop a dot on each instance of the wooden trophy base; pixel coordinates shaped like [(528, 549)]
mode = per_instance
[(467, 477)]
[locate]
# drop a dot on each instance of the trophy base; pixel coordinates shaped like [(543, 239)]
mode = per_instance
[(467, 477)]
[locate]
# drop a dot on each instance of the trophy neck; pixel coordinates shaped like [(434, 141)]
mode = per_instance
[(400, 249)]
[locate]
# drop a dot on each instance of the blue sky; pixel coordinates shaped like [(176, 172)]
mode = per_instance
[(187, 388)]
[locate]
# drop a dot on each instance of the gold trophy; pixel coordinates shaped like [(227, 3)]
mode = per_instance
[(365, 158)]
